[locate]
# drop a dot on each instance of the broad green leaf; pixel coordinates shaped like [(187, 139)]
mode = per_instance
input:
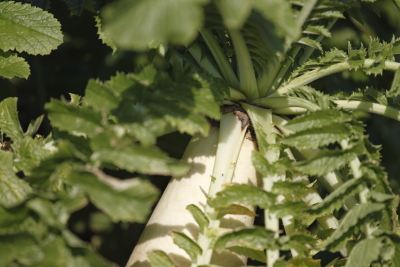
[(127, 200), (28, 29), (244, 194), (55, 253), (254, 238), (13, 246), (9, 123), (234, 12), (160, 259), (258, 255), (235, 209), (122, 152), (326, 161), (304, 262), (199, 217), (334, 201), (101, 97), (187, 244), (138, 24), (13, 190), (318, 119), (365, 252), (314, 138), (354, 218), (103, 36), (75, 120), (47, 211), (29, 154), (13, 66)]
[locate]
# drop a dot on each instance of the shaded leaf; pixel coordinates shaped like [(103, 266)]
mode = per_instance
[(234, 12), (199, 217), (13, 66), (235, 209), (187, 244), (365, 252), (255, 238), (160, 259), (105, 38)]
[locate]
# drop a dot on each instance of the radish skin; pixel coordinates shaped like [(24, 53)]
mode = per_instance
[(170, 213)]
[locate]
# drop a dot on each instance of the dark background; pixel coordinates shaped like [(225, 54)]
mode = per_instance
[(82, 56)]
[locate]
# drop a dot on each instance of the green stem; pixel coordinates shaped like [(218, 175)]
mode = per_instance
[(230, 140), (220, 58), (369, 107), (322, 72), (305, 11), (247, 77), (281, 102)]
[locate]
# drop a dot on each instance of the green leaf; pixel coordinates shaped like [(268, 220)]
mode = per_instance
[(354, 218), (258, 255), (75, 6), (9, 123), (304, 262), (314, 138), (13, 66), (289, 208), (160, 259), (334, 201), (244, 194), (33, 126), (199, 217), (122, 152), (29, 154), (101, 96), (128, 200), (255, 238), (138, 24), (13, 246), (235, 209), (317, 30), (365, 252), (55, 253), (105, 38), (13, 190), (326, 161), (395, 88), (75, 120), (234, 12), (48, 212), (187, 244), (318, 119), (310, 42), (28, 29)]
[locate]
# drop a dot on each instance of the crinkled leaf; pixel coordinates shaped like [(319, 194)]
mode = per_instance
[(244, 194), (355, 217), (13, 190), (137, 24), (235, 209), (76, 120), (199, 217), (9, 123), (318, 137), (318, 119), (187, 244), (334, 200), (234, 12), (28, 29), (13, 66), (160, 259), (122, 152), (127, 200), (254, 238), (365, 252), (105, 38)]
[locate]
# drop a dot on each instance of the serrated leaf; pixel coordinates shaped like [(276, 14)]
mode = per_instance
[(199, 217), (318, 137), (137, 24), (160, 259), (244, 194), (122, 152), (258, 255), (318, 30), (13, 66), (75, 120), (310, 42), (13, 190), (28, 29), (326, 161), (187, 244), (395, 88), (318, 119), (235, 209), (103, 36), (100, 96), (355, 217), (365, 252), (128, 200), (234, 12), (255, 238), (289, 208), (9, 123), (33, 126), (334, 201)]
